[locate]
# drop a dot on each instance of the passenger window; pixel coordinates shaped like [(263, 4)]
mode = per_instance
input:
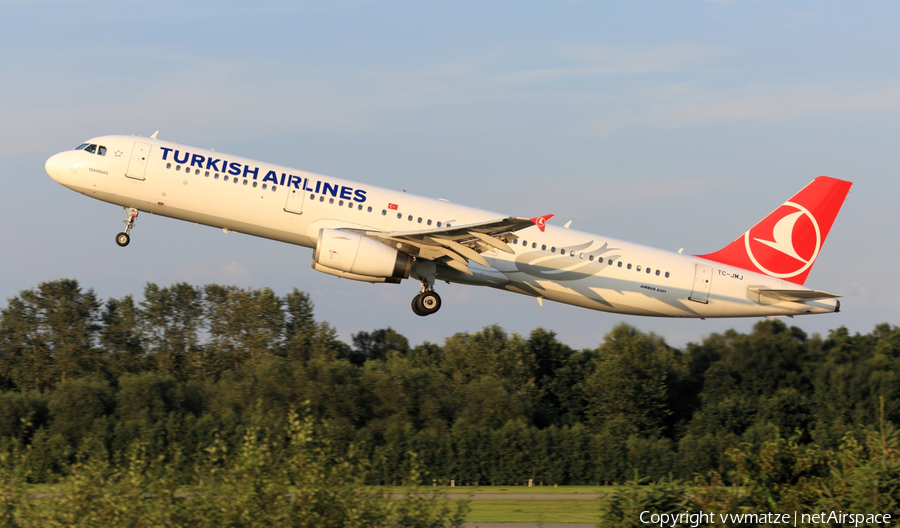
[(553, 249), (360, 207), (581, 256), (101, 151), (399, 216), (620, 263), (639, 267), (410, 218), (312, 196), (648, 271), (197, 172), (563, 251), (340, 203), (629, 265), (572, 254), (168, 165), (534, 245), (254, 185), (178, 167), (223, 179), (234, 180), (322, 198), (264, 187), (273, 188), (216, 177), (369, 209), (429, 221), (439, 224), (515, 241), (591, 258), (525, 243), (667, 274), (543, 247), (610, 262), (383, 212), (657, 273), (420, 220), (91, 148), (245, 183), (207, 174), (331, 200)]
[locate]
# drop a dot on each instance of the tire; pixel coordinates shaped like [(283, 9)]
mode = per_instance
[(417, 305), (429, 302), (122, 239)]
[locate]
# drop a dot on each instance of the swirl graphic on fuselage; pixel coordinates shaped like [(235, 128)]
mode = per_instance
[(572, 265)]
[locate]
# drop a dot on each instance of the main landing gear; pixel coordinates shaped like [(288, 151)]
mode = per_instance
[(122, 239), (426, 303)]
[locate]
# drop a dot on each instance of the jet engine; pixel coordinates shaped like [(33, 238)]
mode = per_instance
[(356, 257)]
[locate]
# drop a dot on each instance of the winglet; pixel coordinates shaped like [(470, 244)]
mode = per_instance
[(541, 221), (154, 135)]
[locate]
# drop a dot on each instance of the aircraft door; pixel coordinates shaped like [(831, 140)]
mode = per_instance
[(702, 282), (137, 165), (294, 203)]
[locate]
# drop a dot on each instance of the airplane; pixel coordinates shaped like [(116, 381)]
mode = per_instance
[(371, 234)]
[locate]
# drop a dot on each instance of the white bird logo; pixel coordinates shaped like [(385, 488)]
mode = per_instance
[(783, 233)]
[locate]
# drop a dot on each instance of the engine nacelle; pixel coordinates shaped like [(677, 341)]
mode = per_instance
[(356, 257)]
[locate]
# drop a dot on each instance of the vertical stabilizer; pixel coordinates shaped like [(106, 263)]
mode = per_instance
[(785, 244)]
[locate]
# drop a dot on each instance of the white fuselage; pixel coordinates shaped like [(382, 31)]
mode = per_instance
[(291, 205)]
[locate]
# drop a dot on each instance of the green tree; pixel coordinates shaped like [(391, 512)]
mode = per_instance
[(49, 335)]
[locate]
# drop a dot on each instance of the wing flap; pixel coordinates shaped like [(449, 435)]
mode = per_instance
[(455, 245)]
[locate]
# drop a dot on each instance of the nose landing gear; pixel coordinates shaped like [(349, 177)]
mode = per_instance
[(123, 238)]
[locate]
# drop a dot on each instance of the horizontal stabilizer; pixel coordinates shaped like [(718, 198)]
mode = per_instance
[(779, 295)]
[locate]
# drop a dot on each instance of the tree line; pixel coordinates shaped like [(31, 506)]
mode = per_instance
[(189, 366)]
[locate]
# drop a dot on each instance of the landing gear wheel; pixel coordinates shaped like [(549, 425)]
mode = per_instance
[(417, 305), (122, 239), (429, 302)]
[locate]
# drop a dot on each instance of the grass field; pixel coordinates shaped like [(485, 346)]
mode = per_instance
[(602, 490), (536, 511)]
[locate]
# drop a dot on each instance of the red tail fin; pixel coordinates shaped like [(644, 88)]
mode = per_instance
[(785, 244)]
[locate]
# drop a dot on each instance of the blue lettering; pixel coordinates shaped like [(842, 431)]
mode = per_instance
[(212, 164), (197, 160), (235, 168), (165, 152), (330, 189), (318, 184), (305, 188), (283, 175), (360, 196), (186, 156), (270, 176), (247, 171), (293, 180), (345, 192)]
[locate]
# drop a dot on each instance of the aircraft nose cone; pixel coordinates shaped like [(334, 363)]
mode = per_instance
[(61, 166), (54, 166)]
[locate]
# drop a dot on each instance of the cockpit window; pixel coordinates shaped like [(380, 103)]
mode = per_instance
[(91, 148), (81, 147), (101, 151)]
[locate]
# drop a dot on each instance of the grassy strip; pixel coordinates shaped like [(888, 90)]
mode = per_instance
[(534, 511), (525, 490)]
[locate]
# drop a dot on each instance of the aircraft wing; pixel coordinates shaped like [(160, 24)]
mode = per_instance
[(784, 295), (455, 246)]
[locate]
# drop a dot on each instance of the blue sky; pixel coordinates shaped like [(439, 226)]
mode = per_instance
[(675, 124)]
